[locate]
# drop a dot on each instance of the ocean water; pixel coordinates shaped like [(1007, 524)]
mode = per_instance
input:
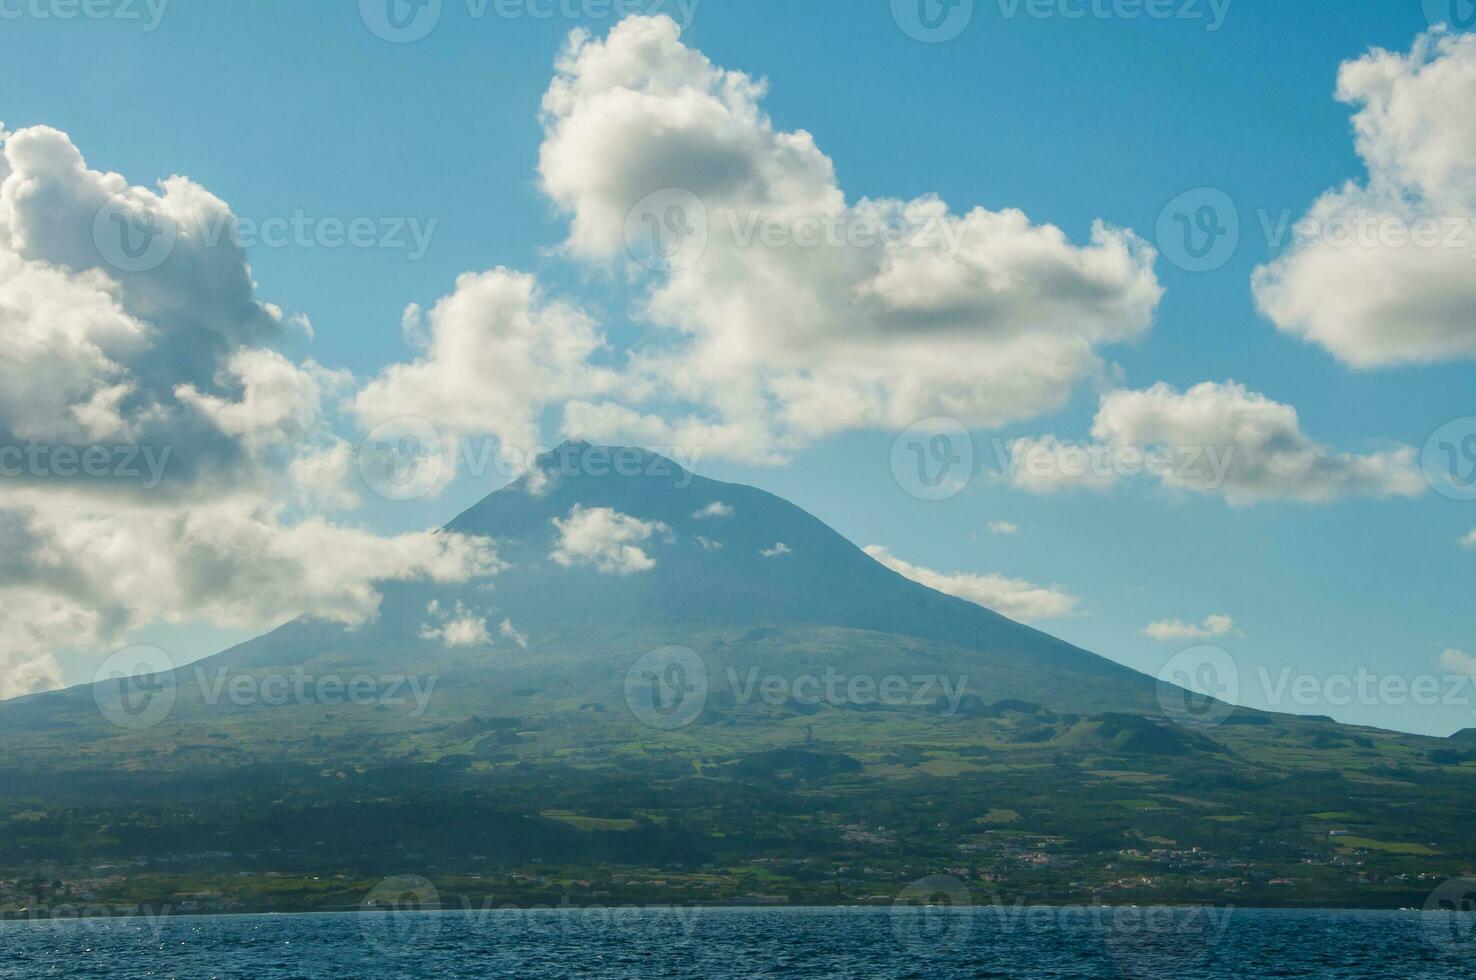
[(709, 942)]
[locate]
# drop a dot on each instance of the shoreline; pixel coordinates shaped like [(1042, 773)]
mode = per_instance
[(167, 912)]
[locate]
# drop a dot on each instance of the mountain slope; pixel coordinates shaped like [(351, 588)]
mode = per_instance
[(1046, 766)]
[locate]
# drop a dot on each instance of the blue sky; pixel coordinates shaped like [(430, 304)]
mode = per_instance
[(286, 107)]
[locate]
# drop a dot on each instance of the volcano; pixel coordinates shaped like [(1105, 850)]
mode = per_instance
[(670, 673)]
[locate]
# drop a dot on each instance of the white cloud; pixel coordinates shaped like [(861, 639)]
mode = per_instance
[(229, 562), (1003, 528), (1014, 598), (1176, 629), (1458, 661), (34, 624), (605, 539), (1214, 439), (778, 550), (1383, 272), (511, 632), (707, 544), (167, 369), (1047, 465), (715, 509), (982, 316), (1469, 541), (460, 628), (492, 355)]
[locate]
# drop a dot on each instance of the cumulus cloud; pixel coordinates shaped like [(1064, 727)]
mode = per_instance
[(1176, 629), (458, 628), (491, 356), (1003, 528), (715, 509), (1214, 439), (1458, 661), (160, 451), (1380, 272), (1469, 541), (800, 312), (604, 539), (778, 550), (1014, 598)]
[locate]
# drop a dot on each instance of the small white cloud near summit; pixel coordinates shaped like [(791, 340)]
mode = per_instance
[(1176, 629)]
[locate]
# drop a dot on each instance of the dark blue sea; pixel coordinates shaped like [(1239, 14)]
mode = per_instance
[(709, 942)]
